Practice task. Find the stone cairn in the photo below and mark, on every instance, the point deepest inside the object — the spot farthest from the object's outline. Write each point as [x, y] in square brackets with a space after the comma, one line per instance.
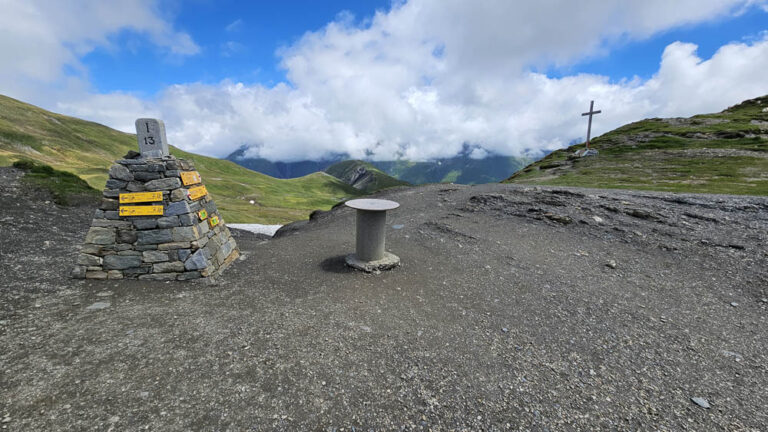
[156, 220]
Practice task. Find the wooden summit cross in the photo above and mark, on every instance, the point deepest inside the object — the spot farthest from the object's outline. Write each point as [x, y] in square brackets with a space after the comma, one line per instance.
[589, 124]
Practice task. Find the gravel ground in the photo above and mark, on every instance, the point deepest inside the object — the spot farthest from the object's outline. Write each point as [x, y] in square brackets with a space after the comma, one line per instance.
[515, 308]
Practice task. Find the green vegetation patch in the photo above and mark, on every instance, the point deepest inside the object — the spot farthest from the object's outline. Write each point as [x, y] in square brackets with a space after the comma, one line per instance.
[65, 188]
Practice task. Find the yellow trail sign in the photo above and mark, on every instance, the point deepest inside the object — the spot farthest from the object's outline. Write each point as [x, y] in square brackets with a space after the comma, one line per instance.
[213, 221]
[190, 177]
[141, 210]
[141, 197]
[197, 192]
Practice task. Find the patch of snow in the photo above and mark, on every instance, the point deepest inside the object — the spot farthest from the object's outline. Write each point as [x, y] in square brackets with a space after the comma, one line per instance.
[269, 230]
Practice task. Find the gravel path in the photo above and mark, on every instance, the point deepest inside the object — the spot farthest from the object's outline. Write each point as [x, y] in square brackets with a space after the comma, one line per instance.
[515, 308]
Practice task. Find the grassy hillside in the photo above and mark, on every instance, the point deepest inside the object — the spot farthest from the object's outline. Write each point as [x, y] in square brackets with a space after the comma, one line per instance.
[724, 152]
[87, 150]
[363, 176]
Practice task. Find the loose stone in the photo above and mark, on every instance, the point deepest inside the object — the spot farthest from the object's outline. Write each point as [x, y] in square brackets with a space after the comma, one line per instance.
[145, 224]
[120, 172]
[182, 234]
[156, 236]
[197, 261]
[119, 262]
[177, 208]
[109, 204]
[176, 266]
[88, 260]
[159, 276]
[146, 176]
[101, 236]
[98, 306]
[701, 402]
[163, 184]
[176, 245]
[179, 194]
[155, 256]
[168, 222]
[135, 186]
[116, 184]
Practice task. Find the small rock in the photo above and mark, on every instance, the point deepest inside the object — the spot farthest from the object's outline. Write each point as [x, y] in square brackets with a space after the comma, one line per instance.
[597, 219]
[104, 294]
[736, 356]
[764, 300]
[98, 306]
[504, 329]
[701, 402]
[6, 419]
[611, 263]
[734, 304]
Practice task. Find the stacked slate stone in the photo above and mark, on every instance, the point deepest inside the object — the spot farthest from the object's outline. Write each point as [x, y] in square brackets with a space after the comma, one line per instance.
[182, 243]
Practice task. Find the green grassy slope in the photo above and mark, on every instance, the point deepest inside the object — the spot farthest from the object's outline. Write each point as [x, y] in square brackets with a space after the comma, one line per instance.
[724, 152]
[347, 170]
[88, 149]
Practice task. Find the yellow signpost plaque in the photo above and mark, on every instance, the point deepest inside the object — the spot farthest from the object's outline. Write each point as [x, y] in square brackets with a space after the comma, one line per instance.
[190, 177]
[202, 214]
[197, 192]
[213, 221]
[141, 197]
[141, 210]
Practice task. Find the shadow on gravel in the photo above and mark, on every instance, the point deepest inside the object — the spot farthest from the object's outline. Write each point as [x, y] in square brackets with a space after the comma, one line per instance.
[335, 265]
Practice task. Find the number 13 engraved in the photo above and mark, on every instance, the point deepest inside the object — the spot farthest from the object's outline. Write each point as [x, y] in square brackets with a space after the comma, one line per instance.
[149, 140]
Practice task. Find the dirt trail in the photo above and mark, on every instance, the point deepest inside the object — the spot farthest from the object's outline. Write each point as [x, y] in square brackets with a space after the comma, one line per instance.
[515, 308]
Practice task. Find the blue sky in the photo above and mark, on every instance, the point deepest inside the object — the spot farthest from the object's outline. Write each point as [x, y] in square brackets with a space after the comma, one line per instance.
[418, 79]
[238, 41]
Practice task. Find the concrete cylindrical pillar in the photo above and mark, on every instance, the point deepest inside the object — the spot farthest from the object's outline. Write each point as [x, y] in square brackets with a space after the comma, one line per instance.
[370, 255]
[370, 235]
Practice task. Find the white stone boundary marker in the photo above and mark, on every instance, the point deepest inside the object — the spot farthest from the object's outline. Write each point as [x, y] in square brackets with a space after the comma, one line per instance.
[151, 136]
[369, 253]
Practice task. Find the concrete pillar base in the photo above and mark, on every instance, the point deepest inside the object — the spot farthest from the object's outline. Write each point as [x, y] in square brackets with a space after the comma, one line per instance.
[388, 262]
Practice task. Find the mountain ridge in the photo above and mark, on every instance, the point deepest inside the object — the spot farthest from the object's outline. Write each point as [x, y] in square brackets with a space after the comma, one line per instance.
[461, 168]
[363, 176]
[724, 152]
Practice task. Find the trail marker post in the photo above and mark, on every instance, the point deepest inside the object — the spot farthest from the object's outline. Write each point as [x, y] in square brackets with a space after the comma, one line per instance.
[151, 136]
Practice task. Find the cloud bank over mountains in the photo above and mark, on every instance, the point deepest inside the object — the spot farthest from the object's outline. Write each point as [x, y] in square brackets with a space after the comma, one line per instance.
[417, 81]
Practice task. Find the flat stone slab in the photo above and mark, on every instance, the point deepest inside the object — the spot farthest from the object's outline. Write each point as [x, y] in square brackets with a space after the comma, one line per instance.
[372, 204]
[388, 262]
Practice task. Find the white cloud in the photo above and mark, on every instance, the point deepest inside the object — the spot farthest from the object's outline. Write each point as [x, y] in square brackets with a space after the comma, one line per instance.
[234, 25]
[428, 76]
[41, 39]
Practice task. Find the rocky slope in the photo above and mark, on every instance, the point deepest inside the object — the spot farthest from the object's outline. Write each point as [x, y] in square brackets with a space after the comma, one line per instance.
[515, 308]
[724, 152]
[363, 176]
